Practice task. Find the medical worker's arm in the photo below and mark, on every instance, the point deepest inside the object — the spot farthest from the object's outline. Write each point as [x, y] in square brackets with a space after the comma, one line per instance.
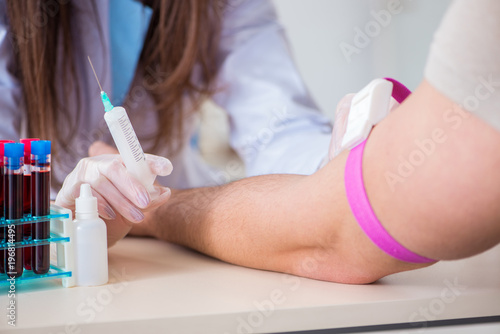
[275, 125]
[443, 207]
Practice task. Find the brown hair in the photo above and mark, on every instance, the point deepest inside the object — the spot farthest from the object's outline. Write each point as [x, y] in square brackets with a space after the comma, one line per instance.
[182, 34]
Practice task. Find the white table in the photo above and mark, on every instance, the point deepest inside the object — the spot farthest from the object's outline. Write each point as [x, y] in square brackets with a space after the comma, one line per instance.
[157, 287]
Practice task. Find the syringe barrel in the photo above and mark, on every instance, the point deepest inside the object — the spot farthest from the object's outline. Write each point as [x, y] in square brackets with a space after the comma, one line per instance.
[129, 147]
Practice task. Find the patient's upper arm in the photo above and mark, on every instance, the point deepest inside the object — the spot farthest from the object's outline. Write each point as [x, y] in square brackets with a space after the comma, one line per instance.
[432, 174]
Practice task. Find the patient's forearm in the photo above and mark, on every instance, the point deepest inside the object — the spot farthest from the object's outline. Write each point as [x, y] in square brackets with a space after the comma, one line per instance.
[260, 222]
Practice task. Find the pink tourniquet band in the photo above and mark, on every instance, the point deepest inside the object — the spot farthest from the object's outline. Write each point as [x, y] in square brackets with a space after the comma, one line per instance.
[360, 205]
[399, 91]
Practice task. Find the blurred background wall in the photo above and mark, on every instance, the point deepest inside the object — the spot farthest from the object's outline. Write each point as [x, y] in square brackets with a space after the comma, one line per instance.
[319, 30]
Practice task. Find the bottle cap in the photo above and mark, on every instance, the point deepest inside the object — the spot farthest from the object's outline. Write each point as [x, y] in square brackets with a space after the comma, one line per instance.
[41, 147]
[86, 203]
[40, 150]
[13, 150]
[2, 142]
[27, 148]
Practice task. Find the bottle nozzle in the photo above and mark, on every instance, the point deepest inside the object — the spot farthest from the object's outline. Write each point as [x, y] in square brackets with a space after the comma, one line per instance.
[86, 203]
[85, 190]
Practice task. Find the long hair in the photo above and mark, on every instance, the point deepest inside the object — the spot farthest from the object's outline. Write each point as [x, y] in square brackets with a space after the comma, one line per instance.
[182, 35]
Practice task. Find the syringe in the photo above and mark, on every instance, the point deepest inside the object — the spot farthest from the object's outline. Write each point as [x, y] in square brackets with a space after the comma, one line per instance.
[126, 141]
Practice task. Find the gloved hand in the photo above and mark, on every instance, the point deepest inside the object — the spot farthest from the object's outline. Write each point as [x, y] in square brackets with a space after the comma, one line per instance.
[340, 123]
[121, 198]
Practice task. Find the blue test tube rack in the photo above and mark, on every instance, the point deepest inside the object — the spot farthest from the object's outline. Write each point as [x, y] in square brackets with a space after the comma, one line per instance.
[62, 259]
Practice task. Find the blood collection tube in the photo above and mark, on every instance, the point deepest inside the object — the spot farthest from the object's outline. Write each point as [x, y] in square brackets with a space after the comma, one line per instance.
[2, 229]
[13, 205]
[27, 197]
[40, 203]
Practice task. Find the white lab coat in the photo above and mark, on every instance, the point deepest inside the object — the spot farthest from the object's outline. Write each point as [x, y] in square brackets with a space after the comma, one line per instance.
[275, 126]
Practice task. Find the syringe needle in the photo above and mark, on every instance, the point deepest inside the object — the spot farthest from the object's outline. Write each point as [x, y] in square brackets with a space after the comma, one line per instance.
[93, 70]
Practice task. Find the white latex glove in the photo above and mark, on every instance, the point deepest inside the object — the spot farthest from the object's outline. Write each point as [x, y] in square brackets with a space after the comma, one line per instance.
[121, 198]
[341, 121]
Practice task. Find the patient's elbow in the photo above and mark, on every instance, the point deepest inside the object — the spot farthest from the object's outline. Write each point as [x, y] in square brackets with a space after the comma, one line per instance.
[324, 267]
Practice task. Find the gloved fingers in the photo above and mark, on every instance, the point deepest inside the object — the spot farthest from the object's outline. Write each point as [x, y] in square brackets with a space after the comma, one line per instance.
[66, 198]
[110, 165]
[159, 165]
[393, 104]
[163, 197]
[103, 207]
[340, 124]
[115, 172]
[120, 204]
[70, 189]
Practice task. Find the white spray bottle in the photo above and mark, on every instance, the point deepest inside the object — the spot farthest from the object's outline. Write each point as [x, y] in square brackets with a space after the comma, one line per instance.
[91, 247]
